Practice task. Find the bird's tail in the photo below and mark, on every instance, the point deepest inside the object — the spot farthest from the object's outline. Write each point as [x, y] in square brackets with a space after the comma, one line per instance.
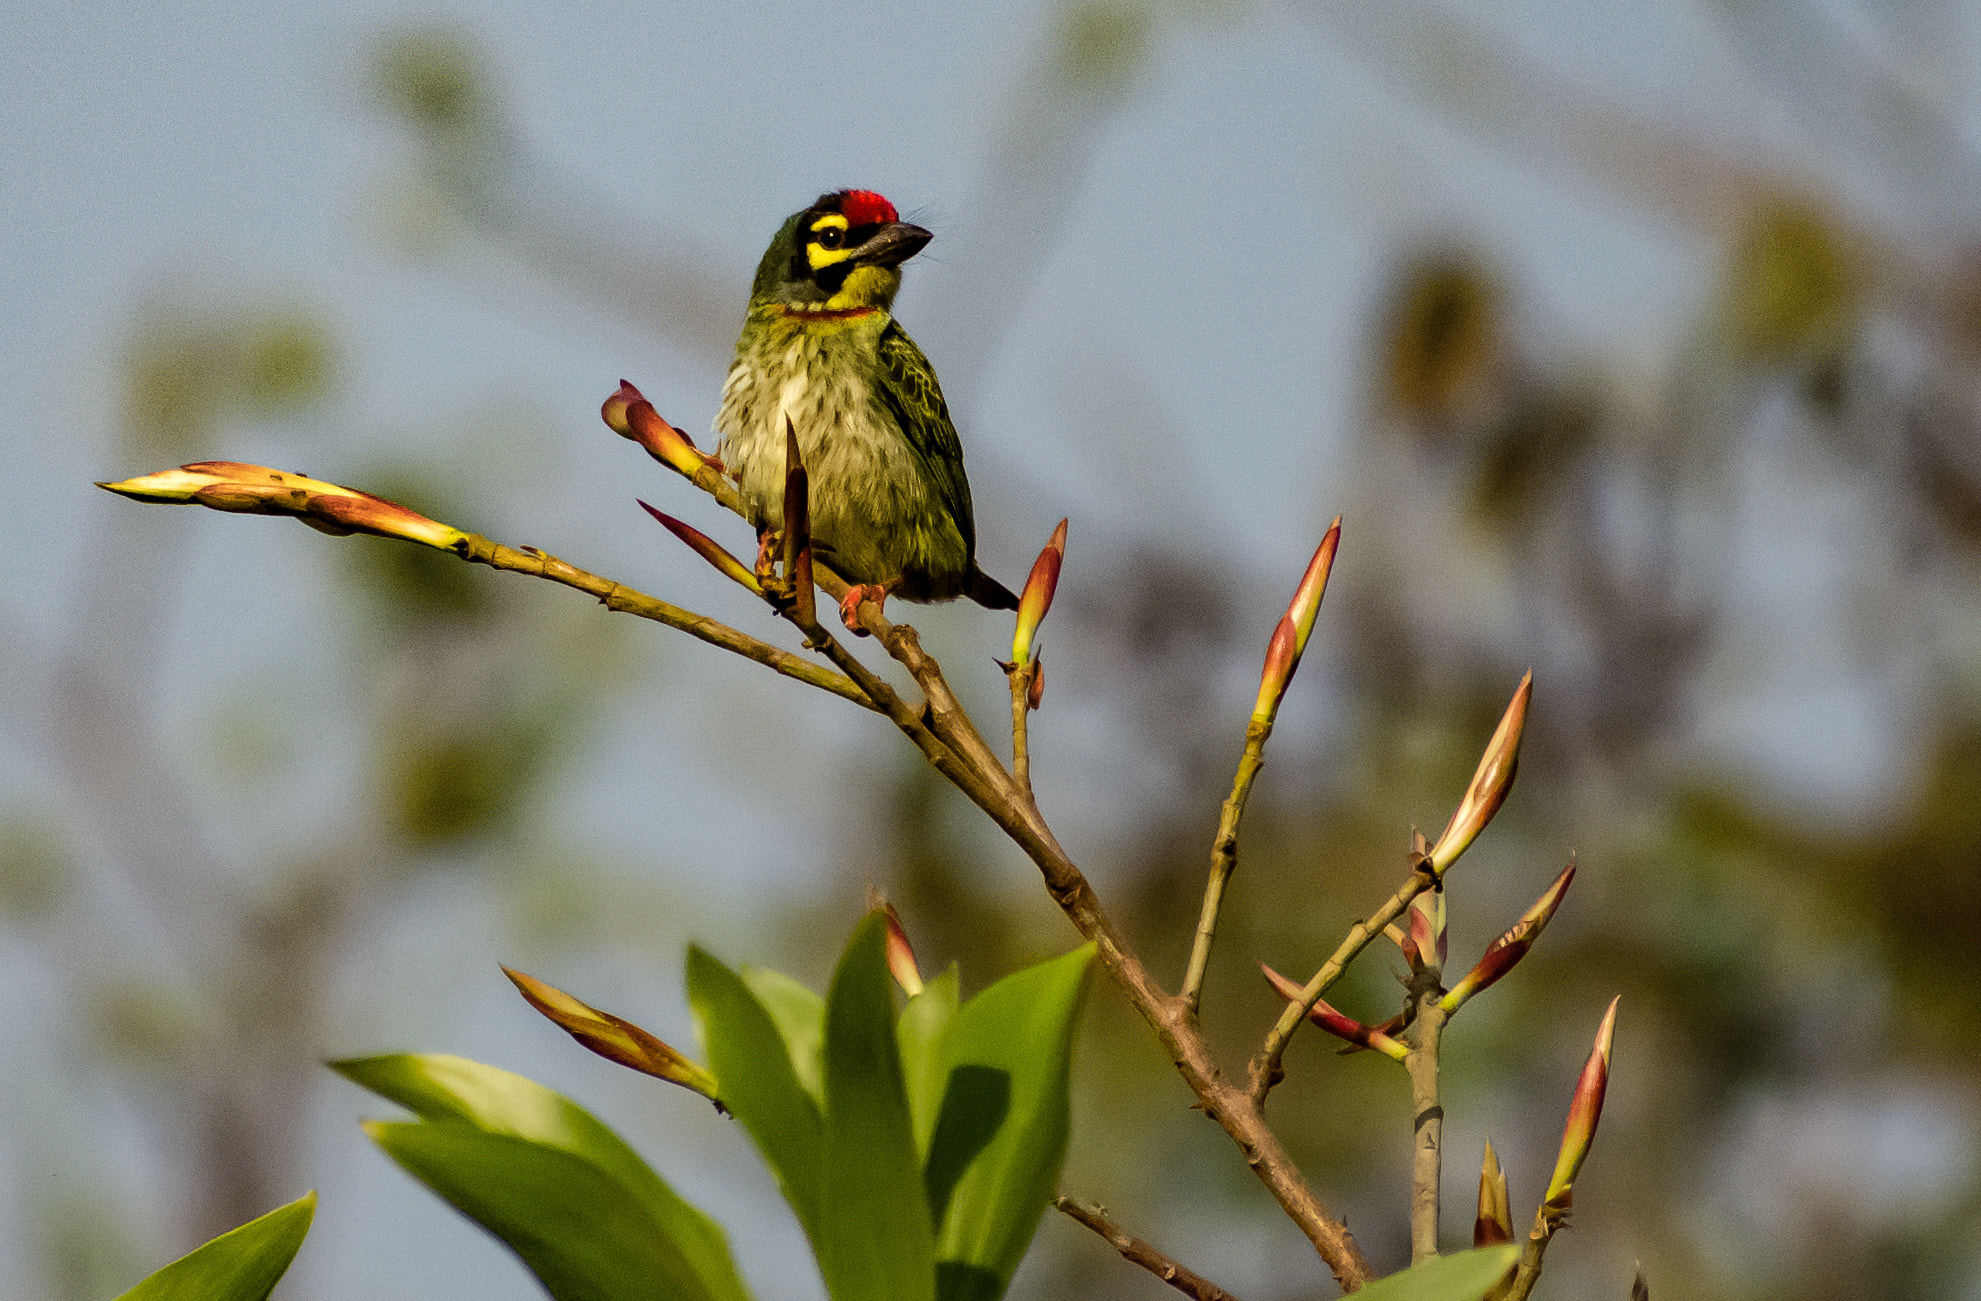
[988, 592]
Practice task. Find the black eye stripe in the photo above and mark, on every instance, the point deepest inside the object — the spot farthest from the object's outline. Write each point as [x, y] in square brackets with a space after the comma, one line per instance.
[837, 237]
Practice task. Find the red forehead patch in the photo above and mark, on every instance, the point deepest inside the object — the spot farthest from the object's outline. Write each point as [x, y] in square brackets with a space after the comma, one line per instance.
[864, 207]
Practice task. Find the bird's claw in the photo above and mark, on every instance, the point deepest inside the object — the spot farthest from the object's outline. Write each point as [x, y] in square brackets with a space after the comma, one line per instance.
[849, 605]
[778, 589]
[770, 545]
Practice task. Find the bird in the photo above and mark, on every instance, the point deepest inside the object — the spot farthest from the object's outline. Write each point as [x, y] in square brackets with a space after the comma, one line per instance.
[821, 352]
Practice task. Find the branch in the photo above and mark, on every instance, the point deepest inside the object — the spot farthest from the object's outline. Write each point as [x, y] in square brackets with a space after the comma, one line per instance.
[1427, 1115]
[330, 508]
[1283, 652]
[1224, 857]
[1026, 673]
[1265, 1070]
[1141, 1253]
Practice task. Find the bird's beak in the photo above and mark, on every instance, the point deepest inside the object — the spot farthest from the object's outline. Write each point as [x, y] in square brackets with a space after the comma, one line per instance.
[892, 245]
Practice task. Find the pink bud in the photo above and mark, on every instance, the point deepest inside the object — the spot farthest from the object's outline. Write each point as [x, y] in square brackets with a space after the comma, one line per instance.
[1490, 783]
[1504, 953]
[612, 1037]
[1306, 601]
[1289, 639]
[708, 549]
[1585, 1110]
[901, 954]
[1036, 599]
[630, 415]
[1336, 1023]
[258, 490]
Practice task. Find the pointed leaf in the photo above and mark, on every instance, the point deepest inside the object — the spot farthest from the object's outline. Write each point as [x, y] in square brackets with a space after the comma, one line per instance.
[445, 1090]
[1461, 1276]
[799, 1014]
[242, 1264]
[575, 1226]
[920, 1031]
[876, 1242]
[994, 1159]
[760, 1086]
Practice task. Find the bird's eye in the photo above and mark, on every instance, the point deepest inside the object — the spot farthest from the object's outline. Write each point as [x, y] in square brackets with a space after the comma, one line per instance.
[830, 237]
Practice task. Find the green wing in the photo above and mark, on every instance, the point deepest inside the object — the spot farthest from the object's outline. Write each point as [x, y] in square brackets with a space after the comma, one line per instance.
[909, 389]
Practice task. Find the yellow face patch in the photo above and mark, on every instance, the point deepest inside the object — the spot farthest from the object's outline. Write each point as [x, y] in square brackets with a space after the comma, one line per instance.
[863, 286]
[825, 244]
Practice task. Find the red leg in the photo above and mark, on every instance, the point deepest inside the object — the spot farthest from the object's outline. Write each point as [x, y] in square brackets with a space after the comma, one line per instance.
[849, 605]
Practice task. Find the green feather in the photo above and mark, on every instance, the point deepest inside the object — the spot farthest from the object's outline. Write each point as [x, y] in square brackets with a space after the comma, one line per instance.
[890, 503]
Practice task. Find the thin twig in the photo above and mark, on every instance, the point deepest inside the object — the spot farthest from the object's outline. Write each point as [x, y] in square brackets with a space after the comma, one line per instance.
[1528, 1272]
[947, 717]
[626, 600]
[1141, 1253]
[1021, 708]
[1224, 857]
[889, 702]
[1426, 1112]
[1265, 1070]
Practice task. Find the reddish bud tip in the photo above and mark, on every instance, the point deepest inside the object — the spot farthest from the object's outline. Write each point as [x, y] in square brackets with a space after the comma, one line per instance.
[614, 409]
[901, 954]
[1036, 599]
[1490, 782]
[1336, 1023]
[630, 415]
[1306, 602]
[1585, 1111]
[258, 490]
[707, 548]
[1289, 639]
[613, 1038]
[1504, 953]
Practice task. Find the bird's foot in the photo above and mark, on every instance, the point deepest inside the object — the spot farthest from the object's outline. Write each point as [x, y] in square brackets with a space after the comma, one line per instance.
[849, 605]
[770, 545]
[776, 586]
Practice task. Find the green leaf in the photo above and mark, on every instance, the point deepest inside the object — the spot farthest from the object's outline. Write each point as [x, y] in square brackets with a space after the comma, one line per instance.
[800, 1017]
[241, 1264]
[920, 1031]
[1463, 1276]
[570, 1222]
[995, 1154]
[453, 1091]
[876, 1243]
[759, 1083]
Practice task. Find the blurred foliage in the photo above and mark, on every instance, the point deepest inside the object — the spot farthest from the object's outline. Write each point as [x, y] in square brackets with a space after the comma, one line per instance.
[433, 77]
[1793, 284]
[36, 869]
[188, 371]
[1103, 42]
[1442, 331]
